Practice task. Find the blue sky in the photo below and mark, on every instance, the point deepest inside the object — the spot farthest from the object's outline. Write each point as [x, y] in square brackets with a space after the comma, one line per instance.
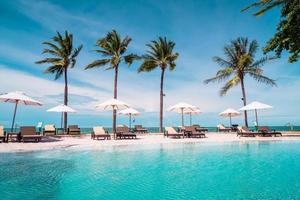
[199, 28]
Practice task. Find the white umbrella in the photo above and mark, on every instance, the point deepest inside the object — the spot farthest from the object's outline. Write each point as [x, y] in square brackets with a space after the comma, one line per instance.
[255, 105]
[62, 108]
[130, 112]
[196, 112]
[18, 98]
[230, 112]
[182, 108]
[113, 104]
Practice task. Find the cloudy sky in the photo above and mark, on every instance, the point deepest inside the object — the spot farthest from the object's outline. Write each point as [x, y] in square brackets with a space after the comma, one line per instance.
[199, 28]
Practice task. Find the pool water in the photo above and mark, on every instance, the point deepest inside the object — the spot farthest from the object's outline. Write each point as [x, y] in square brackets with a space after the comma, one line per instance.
[257, 170]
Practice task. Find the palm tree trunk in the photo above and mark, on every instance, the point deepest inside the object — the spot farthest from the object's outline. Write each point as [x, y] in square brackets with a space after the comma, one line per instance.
[66, 99]
[244, 102]
[161, 100]
[115, 96]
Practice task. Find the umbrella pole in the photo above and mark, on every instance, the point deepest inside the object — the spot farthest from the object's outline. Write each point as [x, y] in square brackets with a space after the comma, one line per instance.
[14, 117]
[256, 118]
[230, 120]
[61, 119]
[129, 121]
[182, 120]
[114, 125]
[190, 119]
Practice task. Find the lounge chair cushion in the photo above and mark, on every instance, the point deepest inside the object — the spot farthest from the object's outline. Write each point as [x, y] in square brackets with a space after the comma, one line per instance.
[171, 130]
[1, 131]
[99, 130]
[49, 127]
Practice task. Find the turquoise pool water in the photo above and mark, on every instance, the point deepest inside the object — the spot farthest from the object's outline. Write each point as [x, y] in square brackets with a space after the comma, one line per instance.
[260, 170]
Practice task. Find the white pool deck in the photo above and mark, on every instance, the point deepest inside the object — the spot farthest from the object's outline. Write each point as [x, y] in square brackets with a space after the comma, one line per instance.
[84, 142]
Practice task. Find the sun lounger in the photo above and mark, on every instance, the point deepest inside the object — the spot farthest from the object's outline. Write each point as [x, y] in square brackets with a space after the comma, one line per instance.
[266, 131]
[73, 130]
[140, 129]
[123, 132]
[171, 132]
[28, 133]
[222, 128]
[2, 134]
[49, 129]
[192, 132]
[245, 132]
[200, 129]
[99, 132]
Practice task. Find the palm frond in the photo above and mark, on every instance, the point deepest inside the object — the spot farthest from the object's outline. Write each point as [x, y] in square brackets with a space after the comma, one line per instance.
[160, 53]
[129, 59]
[98, 63]
[112, 48]
[239, 61]
[230, 84]
[262, 79]
[222, 62]
[65, 57]
[147, 66]
[49, 60]
[264, 6]
[221, 75]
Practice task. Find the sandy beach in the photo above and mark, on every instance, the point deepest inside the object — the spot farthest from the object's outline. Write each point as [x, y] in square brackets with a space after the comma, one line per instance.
[84, 142]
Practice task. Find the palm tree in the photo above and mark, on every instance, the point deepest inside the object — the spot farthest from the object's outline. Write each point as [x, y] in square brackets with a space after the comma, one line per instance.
[160, 54]
[239, 63]
[63, 57]
[265, 5]
[112, 48]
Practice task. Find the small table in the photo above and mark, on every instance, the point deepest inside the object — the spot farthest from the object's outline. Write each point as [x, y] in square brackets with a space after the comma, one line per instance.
[12, 136]
[60, 130]
[234, 127]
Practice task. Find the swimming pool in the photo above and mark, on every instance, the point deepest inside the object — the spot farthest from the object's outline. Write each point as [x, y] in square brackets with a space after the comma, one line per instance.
[256, 170]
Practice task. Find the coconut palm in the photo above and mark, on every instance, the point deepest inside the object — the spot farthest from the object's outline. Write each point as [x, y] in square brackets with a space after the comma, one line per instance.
[238, 64]
[160, 54]
[63, 57]
[112, 48]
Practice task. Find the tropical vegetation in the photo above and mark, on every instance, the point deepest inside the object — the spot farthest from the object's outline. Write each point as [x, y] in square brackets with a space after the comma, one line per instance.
[287, 35]
[112, 49]
[160, 54]
[62, 56]
[239, 62]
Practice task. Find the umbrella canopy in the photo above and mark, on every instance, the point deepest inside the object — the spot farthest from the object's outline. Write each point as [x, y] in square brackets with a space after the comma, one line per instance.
[182, 108]
[18, 97]
[230, 112]
[62, 108]
[195, 112]
[130, 112]
[255, 105]
[113, 104]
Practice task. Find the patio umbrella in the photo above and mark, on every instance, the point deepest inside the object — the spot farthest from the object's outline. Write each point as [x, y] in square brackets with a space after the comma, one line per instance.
[113, 104]
[130, 112]
[63, 109]
[255, 105]
[229, 113]
[190, 113]
[18, 98]
[182, 108]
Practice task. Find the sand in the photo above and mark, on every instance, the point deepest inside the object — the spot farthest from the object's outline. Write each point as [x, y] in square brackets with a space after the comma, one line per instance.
[84, 142]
